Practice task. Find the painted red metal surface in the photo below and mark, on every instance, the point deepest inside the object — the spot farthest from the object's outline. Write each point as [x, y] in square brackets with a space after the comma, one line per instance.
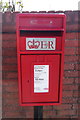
[40, 26]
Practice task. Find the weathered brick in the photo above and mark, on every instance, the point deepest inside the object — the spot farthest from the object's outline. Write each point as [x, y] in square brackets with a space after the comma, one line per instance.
[77, 52]
[72, 16]
[71, 43]
[8, 22]
[77, 67]
[72, 36]
[70, 66]
[49, 114]
[9, 37]
[69, 51]
[77, 80]
[67, 112]
[63, 107]
[71, 58]
[9, 52]
[70, 87]
[11, 114]
[69, 100]
[71, 73]
[47, 107]
[9, 44]
[10, 75]
[29, 115]
[9, 82]
[72, 27]
[11, 89]
[67, 93]
[68, 80]
[75, 94]
[12, 67]
[9, 60]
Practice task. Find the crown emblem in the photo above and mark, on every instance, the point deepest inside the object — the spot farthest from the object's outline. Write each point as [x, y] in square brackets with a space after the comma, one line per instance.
[33, 44]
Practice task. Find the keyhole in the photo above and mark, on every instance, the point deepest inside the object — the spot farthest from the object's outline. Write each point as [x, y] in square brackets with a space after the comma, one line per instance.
[28, 81]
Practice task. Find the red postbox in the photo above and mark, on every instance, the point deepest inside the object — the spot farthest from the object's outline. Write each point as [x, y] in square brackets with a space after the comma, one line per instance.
[40, 51]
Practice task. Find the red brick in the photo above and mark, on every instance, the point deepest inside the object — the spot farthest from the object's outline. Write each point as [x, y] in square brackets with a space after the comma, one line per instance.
[75, 106]
[47, 108]
[67, 93]
[0, 40]
[9, 60]
[1, 17]
[63, 107]
[11, 89]
[1, 79]
[71, 58]
[68, 80]
[1, 53]
[77, 52]
[8, 22]
[9, 37]
[0, 71]
[77, 80]
[76, 16]
[70, 87]
[71, 43]
[71, 73]
[0, 67]
[68, 16]
[8, 17]
[79, 33]
[9, 108]
[71, 36]
[75, 93]
[49, 114]
[67, 112]
[70, 100]
[9, 83]
[72, 27]
[0, 28]
[17, 108]
[75, 117]
[28, 108]
[9, 52]
[9, 75]
[69, 51]
[29, 115]
[77, 67]
[11, 101]
[11, 114]
[9, 67]
[9, 28]
[0, 82]
[9, 44]
[70, 66]
[72, 16]
[10, 96]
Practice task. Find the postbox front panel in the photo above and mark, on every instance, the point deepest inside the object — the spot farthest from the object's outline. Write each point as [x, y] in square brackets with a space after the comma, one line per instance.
[42, 40]
[40, 78]
[40, 50]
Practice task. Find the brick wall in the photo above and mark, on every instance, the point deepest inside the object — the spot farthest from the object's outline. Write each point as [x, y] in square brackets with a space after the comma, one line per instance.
[69, 106]
[0, 65]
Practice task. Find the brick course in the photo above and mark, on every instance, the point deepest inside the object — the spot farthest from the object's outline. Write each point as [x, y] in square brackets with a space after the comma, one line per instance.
[69, 106]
